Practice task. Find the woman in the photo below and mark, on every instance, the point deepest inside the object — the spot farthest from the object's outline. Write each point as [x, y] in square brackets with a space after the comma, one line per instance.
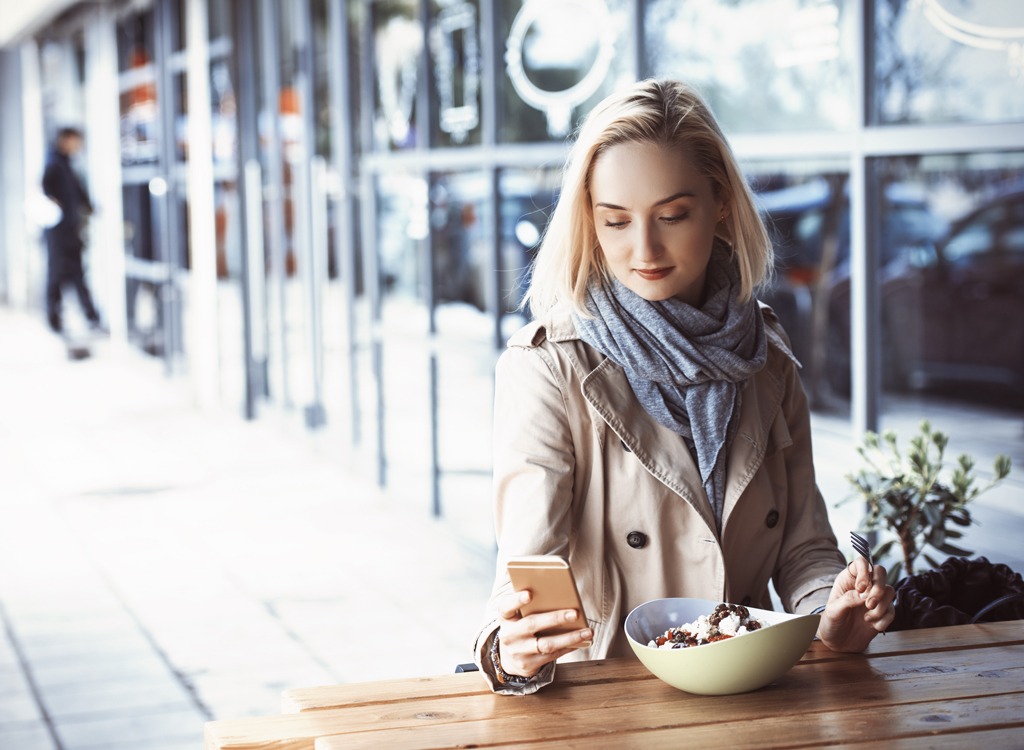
[650, 424]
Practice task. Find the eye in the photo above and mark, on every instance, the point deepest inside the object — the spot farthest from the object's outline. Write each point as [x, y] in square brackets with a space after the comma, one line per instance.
[674, 219]
[615, 224]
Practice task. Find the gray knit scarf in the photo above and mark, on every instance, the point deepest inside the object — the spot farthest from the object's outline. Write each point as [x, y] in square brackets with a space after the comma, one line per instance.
[684, 364]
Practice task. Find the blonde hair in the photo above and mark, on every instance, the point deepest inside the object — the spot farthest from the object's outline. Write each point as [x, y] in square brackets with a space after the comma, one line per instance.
[665, 113]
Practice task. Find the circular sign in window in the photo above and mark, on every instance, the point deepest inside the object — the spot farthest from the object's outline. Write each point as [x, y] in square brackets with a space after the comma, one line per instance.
[541, 15]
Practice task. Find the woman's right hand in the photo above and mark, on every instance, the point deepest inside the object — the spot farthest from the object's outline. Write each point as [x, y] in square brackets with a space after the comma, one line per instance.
[520, 650]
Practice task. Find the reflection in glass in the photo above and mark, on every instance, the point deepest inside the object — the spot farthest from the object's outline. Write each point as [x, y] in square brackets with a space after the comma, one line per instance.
[561, 57]
[397, 45]
[137, 84]
[144, 279]
[953, 305]
[455, 55]
[528, 197]
[945, 62]
[806, 209]
[402, 231]
[459, 244]
[402, 226]
[763, 65]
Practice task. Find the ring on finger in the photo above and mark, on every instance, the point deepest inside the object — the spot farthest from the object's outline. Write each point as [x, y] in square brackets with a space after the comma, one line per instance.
[536, 644]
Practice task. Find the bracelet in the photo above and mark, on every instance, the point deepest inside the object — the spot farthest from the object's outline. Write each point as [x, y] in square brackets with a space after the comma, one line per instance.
[817, 610]
[504, 677]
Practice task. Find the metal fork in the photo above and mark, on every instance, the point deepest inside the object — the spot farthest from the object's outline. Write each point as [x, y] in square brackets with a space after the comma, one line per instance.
[860, 546]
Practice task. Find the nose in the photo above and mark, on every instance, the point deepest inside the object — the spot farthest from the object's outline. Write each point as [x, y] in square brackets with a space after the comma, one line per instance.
[647, 244]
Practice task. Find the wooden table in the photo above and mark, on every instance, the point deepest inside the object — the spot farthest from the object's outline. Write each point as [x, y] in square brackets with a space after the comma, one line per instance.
[959, 687]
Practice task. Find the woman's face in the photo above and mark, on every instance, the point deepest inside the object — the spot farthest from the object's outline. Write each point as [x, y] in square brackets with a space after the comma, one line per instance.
[655, 219]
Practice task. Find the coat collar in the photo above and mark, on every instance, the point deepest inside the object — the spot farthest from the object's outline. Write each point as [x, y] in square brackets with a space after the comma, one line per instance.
[663, 452]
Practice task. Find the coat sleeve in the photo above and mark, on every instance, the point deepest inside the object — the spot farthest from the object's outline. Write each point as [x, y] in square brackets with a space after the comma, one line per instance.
[533, 475]
[52, 183]
[810, 558]
[534, 460]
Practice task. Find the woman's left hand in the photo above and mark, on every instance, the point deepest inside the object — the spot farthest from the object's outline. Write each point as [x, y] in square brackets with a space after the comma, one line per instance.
[859, 608]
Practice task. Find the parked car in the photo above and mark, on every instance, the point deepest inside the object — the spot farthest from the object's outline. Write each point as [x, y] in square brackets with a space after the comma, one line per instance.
[952, 313]
[811, 289]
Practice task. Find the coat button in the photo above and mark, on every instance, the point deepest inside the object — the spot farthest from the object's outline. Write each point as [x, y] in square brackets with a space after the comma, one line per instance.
[771, 519]
[636, 539]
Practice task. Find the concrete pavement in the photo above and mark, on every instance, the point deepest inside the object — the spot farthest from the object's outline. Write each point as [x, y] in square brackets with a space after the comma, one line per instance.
[161, 566]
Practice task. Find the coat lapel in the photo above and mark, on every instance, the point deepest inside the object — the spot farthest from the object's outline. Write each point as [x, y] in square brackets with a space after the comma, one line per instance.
[662, 452]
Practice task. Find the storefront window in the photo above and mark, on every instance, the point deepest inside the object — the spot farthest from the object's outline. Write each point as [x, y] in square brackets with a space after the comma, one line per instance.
[218, 19]
[397, 46]
[139, 112]
[459, 239]
[946, 62]
[402, 230]
[528, 198]
[806, 208]
[764, 65]
[952, 300]
[560, 58]
[455, 53]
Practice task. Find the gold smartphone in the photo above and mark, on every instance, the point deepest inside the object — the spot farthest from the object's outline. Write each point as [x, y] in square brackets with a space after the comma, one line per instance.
[550, 581]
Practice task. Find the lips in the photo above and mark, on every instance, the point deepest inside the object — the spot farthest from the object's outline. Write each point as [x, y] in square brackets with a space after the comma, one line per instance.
[652, 274]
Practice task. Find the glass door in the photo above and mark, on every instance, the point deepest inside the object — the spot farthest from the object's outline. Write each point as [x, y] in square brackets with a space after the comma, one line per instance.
[299, 208]
[148, 190]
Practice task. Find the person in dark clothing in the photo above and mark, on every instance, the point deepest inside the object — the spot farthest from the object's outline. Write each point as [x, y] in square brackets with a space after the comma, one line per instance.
[64, 240]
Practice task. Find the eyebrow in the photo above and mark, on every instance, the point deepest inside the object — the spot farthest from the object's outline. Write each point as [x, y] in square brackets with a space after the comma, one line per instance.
[662, 202]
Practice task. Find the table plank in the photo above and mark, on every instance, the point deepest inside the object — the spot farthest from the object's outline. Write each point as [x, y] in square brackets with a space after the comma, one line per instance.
[980, 635]
[1010, 738]
[984, 635]
[852, 724]
[388, 691]
[565, 708]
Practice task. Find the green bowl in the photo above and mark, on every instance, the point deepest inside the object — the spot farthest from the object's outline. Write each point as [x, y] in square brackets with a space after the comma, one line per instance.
[735, 665]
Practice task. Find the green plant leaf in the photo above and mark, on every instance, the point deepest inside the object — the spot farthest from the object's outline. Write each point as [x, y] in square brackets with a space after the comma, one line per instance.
[960, 516]
[1002, 467]
[950, 549]
[883, 549]
[911, 499]
[893, 576]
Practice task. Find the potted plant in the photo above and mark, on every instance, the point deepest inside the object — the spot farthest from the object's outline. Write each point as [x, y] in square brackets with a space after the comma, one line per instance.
[907, 496]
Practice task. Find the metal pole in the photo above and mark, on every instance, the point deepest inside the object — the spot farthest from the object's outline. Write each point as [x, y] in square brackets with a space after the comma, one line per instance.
[277, 240]
[423, 127]
[165, 225]
[255, 285]
[489, 54]
[343, 148]
[307, 201]
[368, 212]
[316, 278]
[250, 189]
[864, 296]
[203, 287]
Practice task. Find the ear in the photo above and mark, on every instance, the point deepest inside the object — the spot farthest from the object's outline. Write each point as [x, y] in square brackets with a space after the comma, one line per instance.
[724, 209]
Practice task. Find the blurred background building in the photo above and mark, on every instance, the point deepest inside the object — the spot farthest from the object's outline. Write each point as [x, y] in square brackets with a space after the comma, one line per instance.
[325, 209]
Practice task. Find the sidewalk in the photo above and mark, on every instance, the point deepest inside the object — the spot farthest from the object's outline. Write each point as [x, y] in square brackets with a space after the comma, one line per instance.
[160, 567]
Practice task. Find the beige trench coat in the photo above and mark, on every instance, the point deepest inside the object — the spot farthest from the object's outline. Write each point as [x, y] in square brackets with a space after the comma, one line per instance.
[581, 470]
